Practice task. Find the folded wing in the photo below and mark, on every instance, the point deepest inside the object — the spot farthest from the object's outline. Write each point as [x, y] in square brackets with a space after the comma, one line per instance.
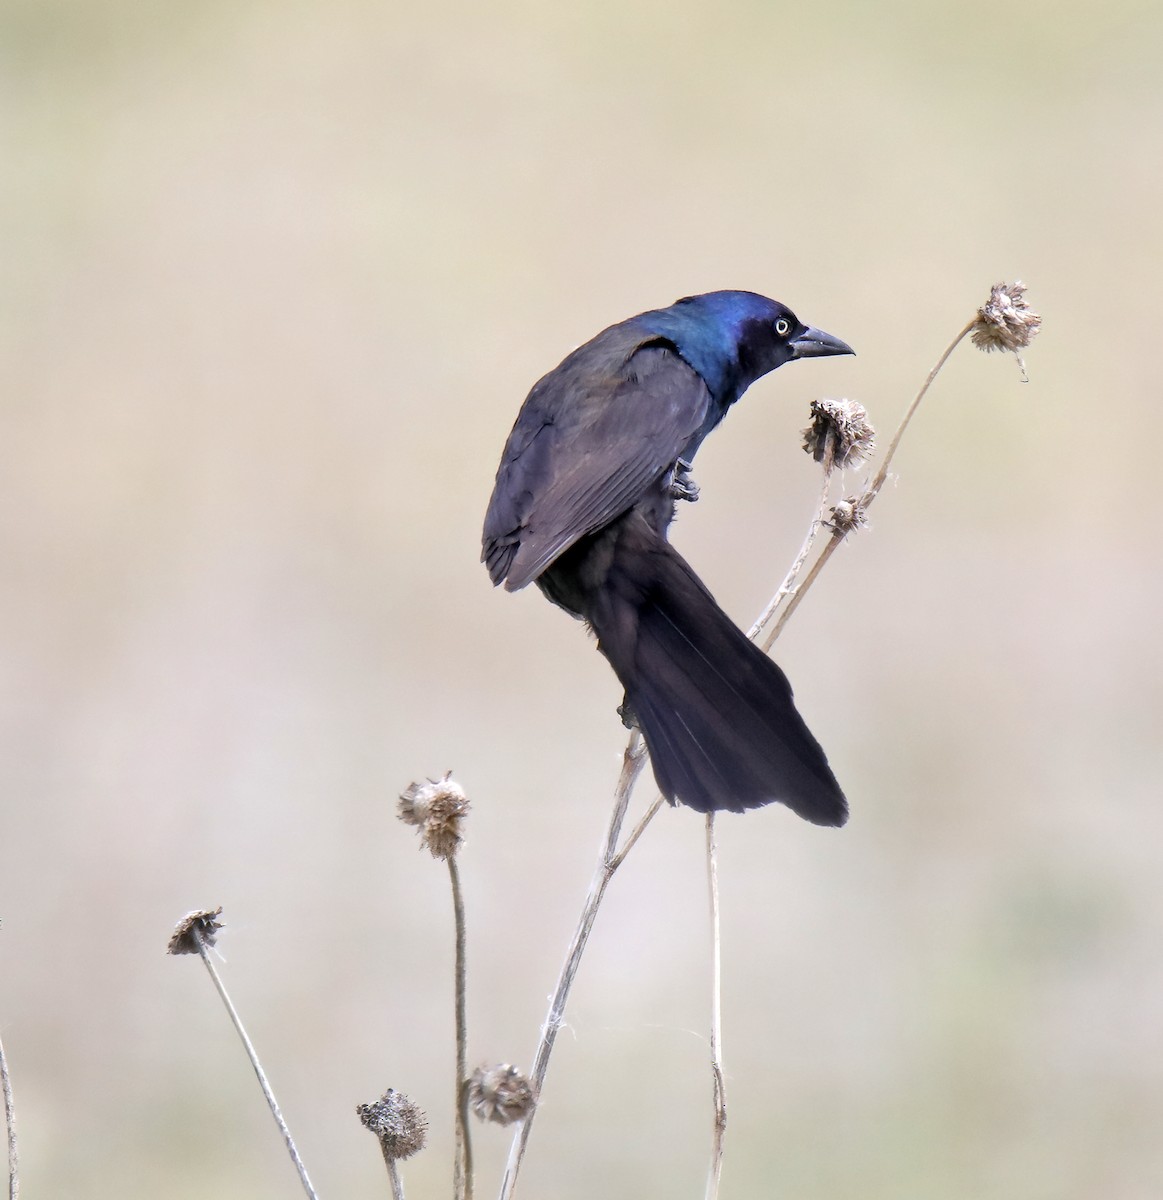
[592, 437]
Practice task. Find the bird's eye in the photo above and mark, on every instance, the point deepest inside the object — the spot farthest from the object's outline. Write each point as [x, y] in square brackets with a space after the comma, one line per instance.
[783, 327]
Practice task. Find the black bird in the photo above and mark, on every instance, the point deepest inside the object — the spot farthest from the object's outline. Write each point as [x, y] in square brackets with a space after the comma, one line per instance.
[585, 492]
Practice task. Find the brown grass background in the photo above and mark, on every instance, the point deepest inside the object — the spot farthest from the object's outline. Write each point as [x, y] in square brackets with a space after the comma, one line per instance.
[276, 277]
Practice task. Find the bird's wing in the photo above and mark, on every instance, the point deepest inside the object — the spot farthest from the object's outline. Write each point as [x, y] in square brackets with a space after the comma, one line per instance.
[592, 437]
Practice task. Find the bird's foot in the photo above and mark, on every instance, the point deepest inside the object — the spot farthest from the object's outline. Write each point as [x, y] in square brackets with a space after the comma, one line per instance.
[682, 486]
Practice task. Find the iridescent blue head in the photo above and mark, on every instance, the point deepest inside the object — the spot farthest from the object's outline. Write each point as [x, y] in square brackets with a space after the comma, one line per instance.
[734, 338]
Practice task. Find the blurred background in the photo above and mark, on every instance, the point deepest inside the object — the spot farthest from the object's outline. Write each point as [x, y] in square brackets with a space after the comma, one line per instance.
[276, 278]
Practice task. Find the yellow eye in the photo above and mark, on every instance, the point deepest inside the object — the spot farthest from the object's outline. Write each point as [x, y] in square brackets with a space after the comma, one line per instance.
[783, 327]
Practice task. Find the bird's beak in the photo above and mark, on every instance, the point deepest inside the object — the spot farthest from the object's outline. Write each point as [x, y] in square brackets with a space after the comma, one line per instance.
[815, 343]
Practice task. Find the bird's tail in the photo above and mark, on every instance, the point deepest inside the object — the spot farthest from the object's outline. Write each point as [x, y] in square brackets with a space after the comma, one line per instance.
[717, 714]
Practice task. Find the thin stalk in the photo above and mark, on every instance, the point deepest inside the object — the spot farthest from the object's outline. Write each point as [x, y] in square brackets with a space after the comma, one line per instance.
[870, 493]
[632, 763]
[882, 474]
[394, 1178]
[254, 1062]
[612, 857]
[633, 760]
[10, 1122]
[795, 597]
[462, 1164]
[786, 588]
[719, 1089]
[636, 833]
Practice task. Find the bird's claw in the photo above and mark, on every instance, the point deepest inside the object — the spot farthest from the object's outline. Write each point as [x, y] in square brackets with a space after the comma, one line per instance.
[682, 486]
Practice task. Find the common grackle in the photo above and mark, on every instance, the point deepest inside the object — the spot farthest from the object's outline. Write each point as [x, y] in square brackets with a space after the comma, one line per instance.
[585, 492]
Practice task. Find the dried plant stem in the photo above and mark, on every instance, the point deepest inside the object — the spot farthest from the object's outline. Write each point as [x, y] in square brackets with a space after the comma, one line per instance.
[882, 474]
[612, 858]
[632, 762]
[254, 1062]
[786, 588]
[870, 493]
[637, 832]
[462, 1165]
[394, 1178]
[795, 597]
[719, 1090]
[10, 1122]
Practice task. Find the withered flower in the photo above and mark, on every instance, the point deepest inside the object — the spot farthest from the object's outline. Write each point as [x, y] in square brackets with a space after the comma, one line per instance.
[844, 425]
[400, 1125]
[206, 924]
[849, 515]
[437, 808]
[1006, 321]
[500, 1094]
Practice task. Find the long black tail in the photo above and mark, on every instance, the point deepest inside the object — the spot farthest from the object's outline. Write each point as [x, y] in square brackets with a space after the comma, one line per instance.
[717, 713]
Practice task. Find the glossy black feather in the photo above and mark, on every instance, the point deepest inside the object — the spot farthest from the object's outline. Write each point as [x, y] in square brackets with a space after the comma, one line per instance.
[591, 438]
[582, 504]
[716, 712]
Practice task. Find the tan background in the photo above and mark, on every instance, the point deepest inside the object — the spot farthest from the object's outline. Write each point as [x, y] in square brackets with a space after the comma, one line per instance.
[276, 277]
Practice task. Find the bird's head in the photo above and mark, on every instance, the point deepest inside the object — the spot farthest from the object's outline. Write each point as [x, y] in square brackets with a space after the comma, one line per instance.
[734, 338]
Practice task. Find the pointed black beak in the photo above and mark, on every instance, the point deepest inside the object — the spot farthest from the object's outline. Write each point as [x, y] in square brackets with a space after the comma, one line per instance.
[815, 343]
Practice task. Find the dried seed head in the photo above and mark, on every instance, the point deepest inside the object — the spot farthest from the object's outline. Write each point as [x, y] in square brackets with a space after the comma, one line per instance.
[500, 1094]
[849, 515]
[1005, 321]
[401, 1126]
[437, 808]
[202, 924]
[842, 426]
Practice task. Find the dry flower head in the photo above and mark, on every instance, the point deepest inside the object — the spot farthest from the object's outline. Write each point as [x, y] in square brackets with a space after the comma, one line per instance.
[849, 515]
[437, 808]
[1006, 321]
[400, 1125]
[500, 1094]
[200, 925]
[843, 426]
